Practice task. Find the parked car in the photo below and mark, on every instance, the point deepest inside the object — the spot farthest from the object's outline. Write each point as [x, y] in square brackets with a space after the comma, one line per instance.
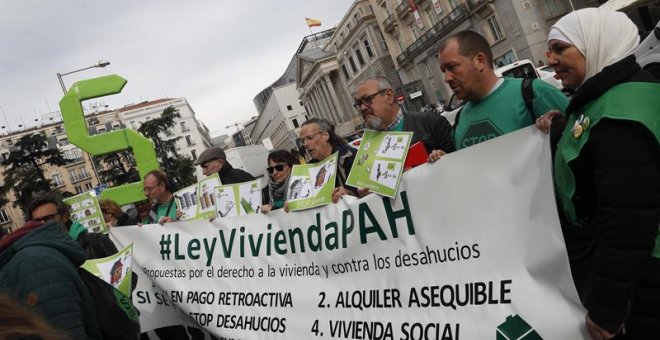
[354, 138]
[549, 76]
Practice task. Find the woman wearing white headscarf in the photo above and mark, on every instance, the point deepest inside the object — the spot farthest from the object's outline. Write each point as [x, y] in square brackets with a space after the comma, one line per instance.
[607, 172]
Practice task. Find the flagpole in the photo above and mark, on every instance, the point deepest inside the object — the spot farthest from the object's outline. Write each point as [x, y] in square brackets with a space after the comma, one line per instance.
[311, 33]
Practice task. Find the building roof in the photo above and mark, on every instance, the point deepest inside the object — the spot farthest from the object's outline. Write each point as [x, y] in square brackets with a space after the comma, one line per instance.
[143, 104]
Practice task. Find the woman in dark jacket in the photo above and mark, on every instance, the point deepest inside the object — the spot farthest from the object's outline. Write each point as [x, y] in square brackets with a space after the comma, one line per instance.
[279, 172]
[607, 172]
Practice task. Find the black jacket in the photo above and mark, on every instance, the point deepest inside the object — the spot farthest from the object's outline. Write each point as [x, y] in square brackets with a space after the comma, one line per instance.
[432, 129]
[617, 201]
[229, 175]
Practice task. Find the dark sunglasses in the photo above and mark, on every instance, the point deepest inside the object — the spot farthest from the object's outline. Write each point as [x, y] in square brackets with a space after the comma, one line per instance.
[366, 100]
[278, 167]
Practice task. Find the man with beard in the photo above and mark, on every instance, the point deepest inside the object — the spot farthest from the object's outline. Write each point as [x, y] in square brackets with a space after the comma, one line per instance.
[374, 98]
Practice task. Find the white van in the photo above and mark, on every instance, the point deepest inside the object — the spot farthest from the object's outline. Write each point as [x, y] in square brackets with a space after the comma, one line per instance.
[526, 69]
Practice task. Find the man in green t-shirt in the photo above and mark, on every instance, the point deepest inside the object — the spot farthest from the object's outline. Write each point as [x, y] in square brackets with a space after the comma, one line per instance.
[493, 106]
[157, 189]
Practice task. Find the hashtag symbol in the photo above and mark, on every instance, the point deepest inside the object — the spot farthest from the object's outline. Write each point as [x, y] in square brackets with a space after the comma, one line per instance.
[165, 242]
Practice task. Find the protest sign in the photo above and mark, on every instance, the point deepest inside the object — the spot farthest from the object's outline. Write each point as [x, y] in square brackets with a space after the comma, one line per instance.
[85, 209]
[115, 269]
[379, 161]
[238, 199]
[311, 185]
[206, 197]
[458, 253]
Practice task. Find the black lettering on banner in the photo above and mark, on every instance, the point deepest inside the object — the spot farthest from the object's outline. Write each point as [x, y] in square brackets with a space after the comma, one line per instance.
[321, 304]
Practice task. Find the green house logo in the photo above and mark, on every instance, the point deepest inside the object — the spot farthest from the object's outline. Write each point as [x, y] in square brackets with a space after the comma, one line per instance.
[515, 328]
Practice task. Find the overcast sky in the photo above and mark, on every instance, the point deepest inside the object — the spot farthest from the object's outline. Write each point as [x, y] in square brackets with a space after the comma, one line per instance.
[218, 54]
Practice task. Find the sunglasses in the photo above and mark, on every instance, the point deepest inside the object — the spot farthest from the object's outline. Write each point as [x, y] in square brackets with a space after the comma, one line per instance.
[278, 167]
[366, 100]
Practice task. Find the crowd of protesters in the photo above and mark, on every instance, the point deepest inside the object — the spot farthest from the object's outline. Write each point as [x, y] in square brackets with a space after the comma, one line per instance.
[606, 172]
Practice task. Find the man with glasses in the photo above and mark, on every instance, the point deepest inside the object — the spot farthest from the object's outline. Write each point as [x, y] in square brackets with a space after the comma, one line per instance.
[214, 160]
[320, 141]
[157, 189]
[374, 98]
[38, 266]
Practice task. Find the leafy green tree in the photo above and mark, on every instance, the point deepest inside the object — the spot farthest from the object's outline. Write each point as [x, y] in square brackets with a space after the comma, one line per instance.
[178, 168]
[119, 168]
[23, 169]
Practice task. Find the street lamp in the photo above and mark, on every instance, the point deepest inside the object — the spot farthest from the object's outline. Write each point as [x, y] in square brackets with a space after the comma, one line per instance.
[101, 63]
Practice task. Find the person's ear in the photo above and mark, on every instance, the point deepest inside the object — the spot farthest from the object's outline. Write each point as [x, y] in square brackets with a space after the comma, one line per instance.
[480, 61]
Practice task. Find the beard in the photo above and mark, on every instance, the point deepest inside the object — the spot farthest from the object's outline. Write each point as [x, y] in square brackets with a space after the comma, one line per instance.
[373, 122]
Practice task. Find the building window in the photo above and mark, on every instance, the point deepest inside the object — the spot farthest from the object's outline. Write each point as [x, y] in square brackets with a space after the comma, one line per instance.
[73, 175]
[57, 180]
[495, 29]
[88, 186]
[295, 123]
[367, 47]
[84, 173]
[358, 53]
[453, 4]
[189, 141]
[184, 127]
[193, 153]
[346, 75]
[3, 217]
[289, 108]
[148, 119]
[506, 59]
[79, 189]
[352, 62]
[552, 8]
[64, 141]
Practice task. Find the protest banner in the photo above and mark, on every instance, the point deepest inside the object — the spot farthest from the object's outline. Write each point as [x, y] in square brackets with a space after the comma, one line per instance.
[379, 161]
[470, 248]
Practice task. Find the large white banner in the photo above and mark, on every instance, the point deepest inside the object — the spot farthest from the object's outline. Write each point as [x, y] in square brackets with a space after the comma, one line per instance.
[470, 248]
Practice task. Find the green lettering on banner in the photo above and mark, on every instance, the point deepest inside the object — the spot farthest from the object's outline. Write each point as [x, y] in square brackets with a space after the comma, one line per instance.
[393, 215]
[365, 212]
[76, 131]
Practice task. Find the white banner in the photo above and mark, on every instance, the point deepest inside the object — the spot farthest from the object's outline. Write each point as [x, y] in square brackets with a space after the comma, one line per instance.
[471, 248]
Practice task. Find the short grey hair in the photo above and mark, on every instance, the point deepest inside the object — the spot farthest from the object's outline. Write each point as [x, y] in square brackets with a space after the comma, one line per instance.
[382, 82]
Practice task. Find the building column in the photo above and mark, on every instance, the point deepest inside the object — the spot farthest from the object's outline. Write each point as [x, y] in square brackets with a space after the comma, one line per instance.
[313, 104]
[344, 116]
[325, 110]
[326, 101]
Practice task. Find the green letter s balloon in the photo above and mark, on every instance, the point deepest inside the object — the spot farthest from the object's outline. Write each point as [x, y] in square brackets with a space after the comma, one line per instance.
[76, 130]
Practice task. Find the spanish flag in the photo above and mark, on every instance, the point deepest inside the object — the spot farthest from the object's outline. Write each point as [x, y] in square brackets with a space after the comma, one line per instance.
[313, 22]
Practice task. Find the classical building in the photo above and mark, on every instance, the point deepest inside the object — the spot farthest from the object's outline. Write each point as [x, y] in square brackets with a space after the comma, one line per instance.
[412, 29]
[332, 63]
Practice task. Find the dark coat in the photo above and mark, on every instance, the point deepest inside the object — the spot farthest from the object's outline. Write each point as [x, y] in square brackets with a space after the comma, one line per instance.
[617, 201]
[39, 268]
[432, 129]
[229, 175]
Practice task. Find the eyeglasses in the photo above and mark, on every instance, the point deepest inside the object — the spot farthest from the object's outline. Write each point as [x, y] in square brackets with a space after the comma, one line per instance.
[148, 189]
[278, 167]
[46, 218]
[302, 140]
[366, 100]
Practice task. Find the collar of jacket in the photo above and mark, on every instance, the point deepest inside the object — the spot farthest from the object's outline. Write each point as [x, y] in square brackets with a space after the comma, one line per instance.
[226, 168]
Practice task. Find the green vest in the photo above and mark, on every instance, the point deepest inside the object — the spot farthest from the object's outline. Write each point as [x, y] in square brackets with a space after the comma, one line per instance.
[638, 102]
